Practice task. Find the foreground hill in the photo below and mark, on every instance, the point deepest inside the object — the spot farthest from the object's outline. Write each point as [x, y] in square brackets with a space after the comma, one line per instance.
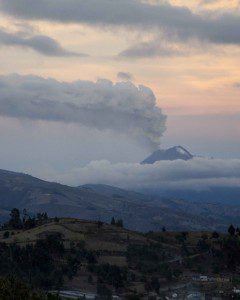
[99, 202]
[86, 251]
[109, 240]
[86, 258]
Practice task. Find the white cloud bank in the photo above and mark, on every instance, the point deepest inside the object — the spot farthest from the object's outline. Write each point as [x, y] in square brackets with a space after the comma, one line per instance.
[195, 174]
[122, 107]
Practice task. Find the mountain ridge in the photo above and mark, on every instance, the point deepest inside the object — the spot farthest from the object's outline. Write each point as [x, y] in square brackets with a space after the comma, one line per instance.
[100, 202]
[173, 153]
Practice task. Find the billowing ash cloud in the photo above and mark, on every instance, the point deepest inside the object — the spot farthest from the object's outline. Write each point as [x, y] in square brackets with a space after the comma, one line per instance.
[125, 76]
[40, 43]
[121, 107]
[175, 21]
[196, 174]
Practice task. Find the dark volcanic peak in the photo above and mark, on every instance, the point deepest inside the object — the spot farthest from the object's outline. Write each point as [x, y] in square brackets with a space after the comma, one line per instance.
[174, 153]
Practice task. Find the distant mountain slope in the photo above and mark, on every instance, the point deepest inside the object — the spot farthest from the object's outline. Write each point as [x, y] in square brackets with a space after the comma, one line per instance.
[24, 191]
[93, 202]
[174, 153]
[222, 195]
[118, 193]
[179, 213]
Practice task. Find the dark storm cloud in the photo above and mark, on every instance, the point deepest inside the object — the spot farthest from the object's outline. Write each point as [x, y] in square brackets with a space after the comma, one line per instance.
[39, 43]
[174, 21]
[151, 49]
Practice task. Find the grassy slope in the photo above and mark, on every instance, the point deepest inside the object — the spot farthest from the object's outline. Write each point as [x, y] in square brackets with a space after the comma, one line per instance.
[111, 242]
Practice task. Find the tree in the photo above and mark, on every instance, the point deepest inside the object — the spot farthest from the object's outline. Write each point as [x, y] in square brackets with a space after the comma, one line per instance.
[51, 297]
[155, 284]
[90, 279]
[231, 230]
[42, 216]
[164, 229]
[25, 215]
[29, 223]
[202, 245]
[6, 235]
[15, 220]
[112, 275]
[39, 216]
[185, 235]
[215, 235]
[103, 292]
[204, 236]
[113, 222]
[148, 286]
[45, 216]
[177, 273]
[12, 288]
[99, 224]
[119, 223]
[133, 297]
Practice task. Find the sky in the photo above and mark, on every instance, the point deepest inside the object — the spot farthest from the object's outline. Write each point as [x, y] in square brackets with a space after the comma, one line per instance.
[111, 81]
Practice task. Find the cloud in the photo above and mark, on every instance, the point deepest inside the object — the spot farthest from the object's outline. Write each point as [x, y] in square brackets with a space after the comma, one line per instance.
[176, 22]
[151, 49]
[121, 107]
[126, 76]
[236, 85]
[39, 43]
[196, 174]
[206, 2]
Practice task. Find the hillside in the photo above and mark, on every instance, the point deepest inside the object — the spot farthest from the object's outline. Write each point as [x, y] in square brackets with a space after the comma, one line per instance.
[93, 246]
[20, 190]
[109, 241]
[93, 257]
[99, 202]
[178, 214]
